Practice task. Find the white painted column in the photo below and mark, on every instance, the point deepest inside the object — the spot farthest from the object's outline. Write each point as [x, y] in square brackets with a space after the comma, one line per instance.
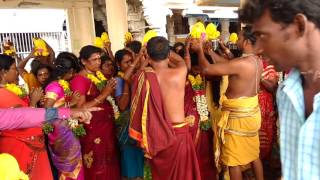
[117, 22]
[155, 14]
[81, 27]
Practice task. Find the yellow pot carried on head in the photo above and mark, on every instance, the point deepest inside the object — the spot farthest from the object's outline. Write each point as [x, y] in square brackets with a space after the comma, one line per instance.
[40, 47]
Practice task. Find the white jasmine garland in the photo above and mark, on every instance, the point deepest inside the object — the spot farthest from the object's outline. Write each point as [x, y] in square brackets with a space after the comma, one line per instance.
[72, 123]
[115, 108]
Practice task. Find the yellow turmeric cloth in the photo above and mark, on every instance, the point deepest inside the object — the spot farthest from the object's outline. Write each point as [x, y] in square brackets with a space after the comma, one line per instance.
[30, 80]
[215, 109]
[237, 140]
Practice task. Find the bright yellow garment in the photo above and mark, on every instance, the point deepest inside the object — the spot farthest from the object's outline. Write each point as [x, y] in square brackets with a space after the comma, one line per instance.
[9, 168]
[31, 80]
[237, 140]
[215, 109]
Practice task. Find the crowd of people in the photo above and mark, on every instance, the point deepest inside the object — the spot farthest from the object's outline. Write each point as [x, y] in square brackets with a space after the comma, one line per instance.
[193, 111]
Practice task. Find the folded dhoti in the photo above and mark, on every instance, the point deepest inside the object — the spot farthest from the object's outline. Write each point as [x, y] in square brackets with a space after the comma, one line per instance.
[237, 136]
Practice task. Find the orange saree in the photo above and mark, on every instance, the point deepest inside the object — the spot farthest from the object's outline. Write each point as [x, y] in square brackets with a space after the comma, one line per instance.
[26, 145]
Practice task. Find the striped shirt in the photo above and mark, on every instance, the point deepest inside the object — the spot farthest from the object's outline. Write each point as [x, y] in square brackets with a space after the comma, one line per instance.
[299, 137]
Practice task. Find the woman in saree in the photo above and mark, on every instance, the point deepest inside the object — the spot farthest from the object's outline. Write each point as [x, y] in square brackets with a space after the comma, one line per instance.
[268, 86]
[26, 145]
[99, 145]
[64, 147]
[132, 157]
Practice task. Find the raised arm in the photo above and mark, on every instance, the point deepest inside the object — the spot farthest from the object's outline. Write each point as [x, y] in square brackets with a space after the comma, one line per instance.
[176, 60]
[226, 50]
[208, 49]
[107, 49]
[51, 56]
[218, 69]
[187, 56]
[23, 63]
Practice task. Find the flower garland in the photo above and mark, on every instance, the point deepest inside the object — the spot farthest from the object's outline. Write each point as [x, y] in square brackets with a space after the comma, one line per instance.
[65, 85]
[17, 90]
[201, 101]
[77, 129]
[100, 81]
[121, 74]
[114, 107]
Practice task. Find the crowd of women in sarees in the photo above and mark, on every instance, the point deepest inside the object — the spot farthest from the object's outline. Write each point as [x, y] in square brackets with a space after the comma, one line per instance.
[103, 149]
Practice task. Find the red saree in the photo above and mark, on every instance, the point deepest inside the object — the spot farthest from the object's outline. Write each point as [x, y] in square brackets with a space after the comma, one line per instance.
[99, 145]
[203, 140]
[267, 131]
[26, 145]
[169, 147]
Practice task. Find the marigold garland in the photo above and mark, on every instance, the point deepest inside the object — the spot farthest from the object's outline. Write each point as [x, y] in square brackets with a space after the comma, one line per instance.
[100, 81]
[77, 129]
[18, 90]
[201, 101]
[66, 86]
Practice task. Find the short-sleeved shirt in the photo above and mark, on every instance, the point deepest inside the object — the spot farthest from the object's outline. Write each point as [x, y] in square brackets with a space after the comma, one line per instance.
[299, 137]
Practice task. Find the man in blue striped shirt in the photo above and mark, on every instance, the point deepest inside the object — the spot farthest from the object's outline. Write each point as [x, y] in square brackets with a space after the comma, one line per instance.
[288, 32]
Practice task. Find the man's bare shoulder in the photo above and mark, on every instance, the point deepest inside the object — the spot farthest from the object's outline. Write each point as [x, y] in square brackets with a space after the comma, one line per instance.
[178, 71]
[248, 61]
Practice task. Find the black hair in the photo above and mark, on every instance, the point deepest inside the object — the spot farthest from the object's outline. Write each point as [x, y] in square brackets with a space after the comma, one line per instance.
[177, 44]
[63, 66]
[281, 11]
[181, 52]
[248, 34]
[87, 51]
[105, 58]
[71, 56]
[158, 48]
[6, 62]
[215, 82]
[135, 46]
[120, 54]
[36, 65]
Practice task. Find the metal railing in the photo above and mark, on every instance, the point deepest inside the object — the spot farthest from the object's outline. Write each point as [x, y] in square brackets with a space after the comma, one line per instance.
[59, 41]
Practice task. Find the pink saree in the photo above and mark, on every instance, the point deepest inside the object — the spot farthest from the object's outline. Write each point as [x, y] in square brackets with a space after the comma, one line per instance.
[64, 146]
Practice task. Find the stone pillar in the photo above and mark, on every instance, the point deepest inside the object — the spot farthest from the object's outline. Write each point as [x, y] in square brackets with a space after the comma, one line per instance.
[81, 27]
[117, 22]
[225, 23]
[170, 30]
[136, 21]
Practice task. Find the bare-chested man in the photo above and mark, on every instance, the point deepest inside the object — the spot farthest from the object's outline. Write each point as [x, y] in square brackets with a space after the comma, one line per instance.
[157, 118]
[238, 140]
